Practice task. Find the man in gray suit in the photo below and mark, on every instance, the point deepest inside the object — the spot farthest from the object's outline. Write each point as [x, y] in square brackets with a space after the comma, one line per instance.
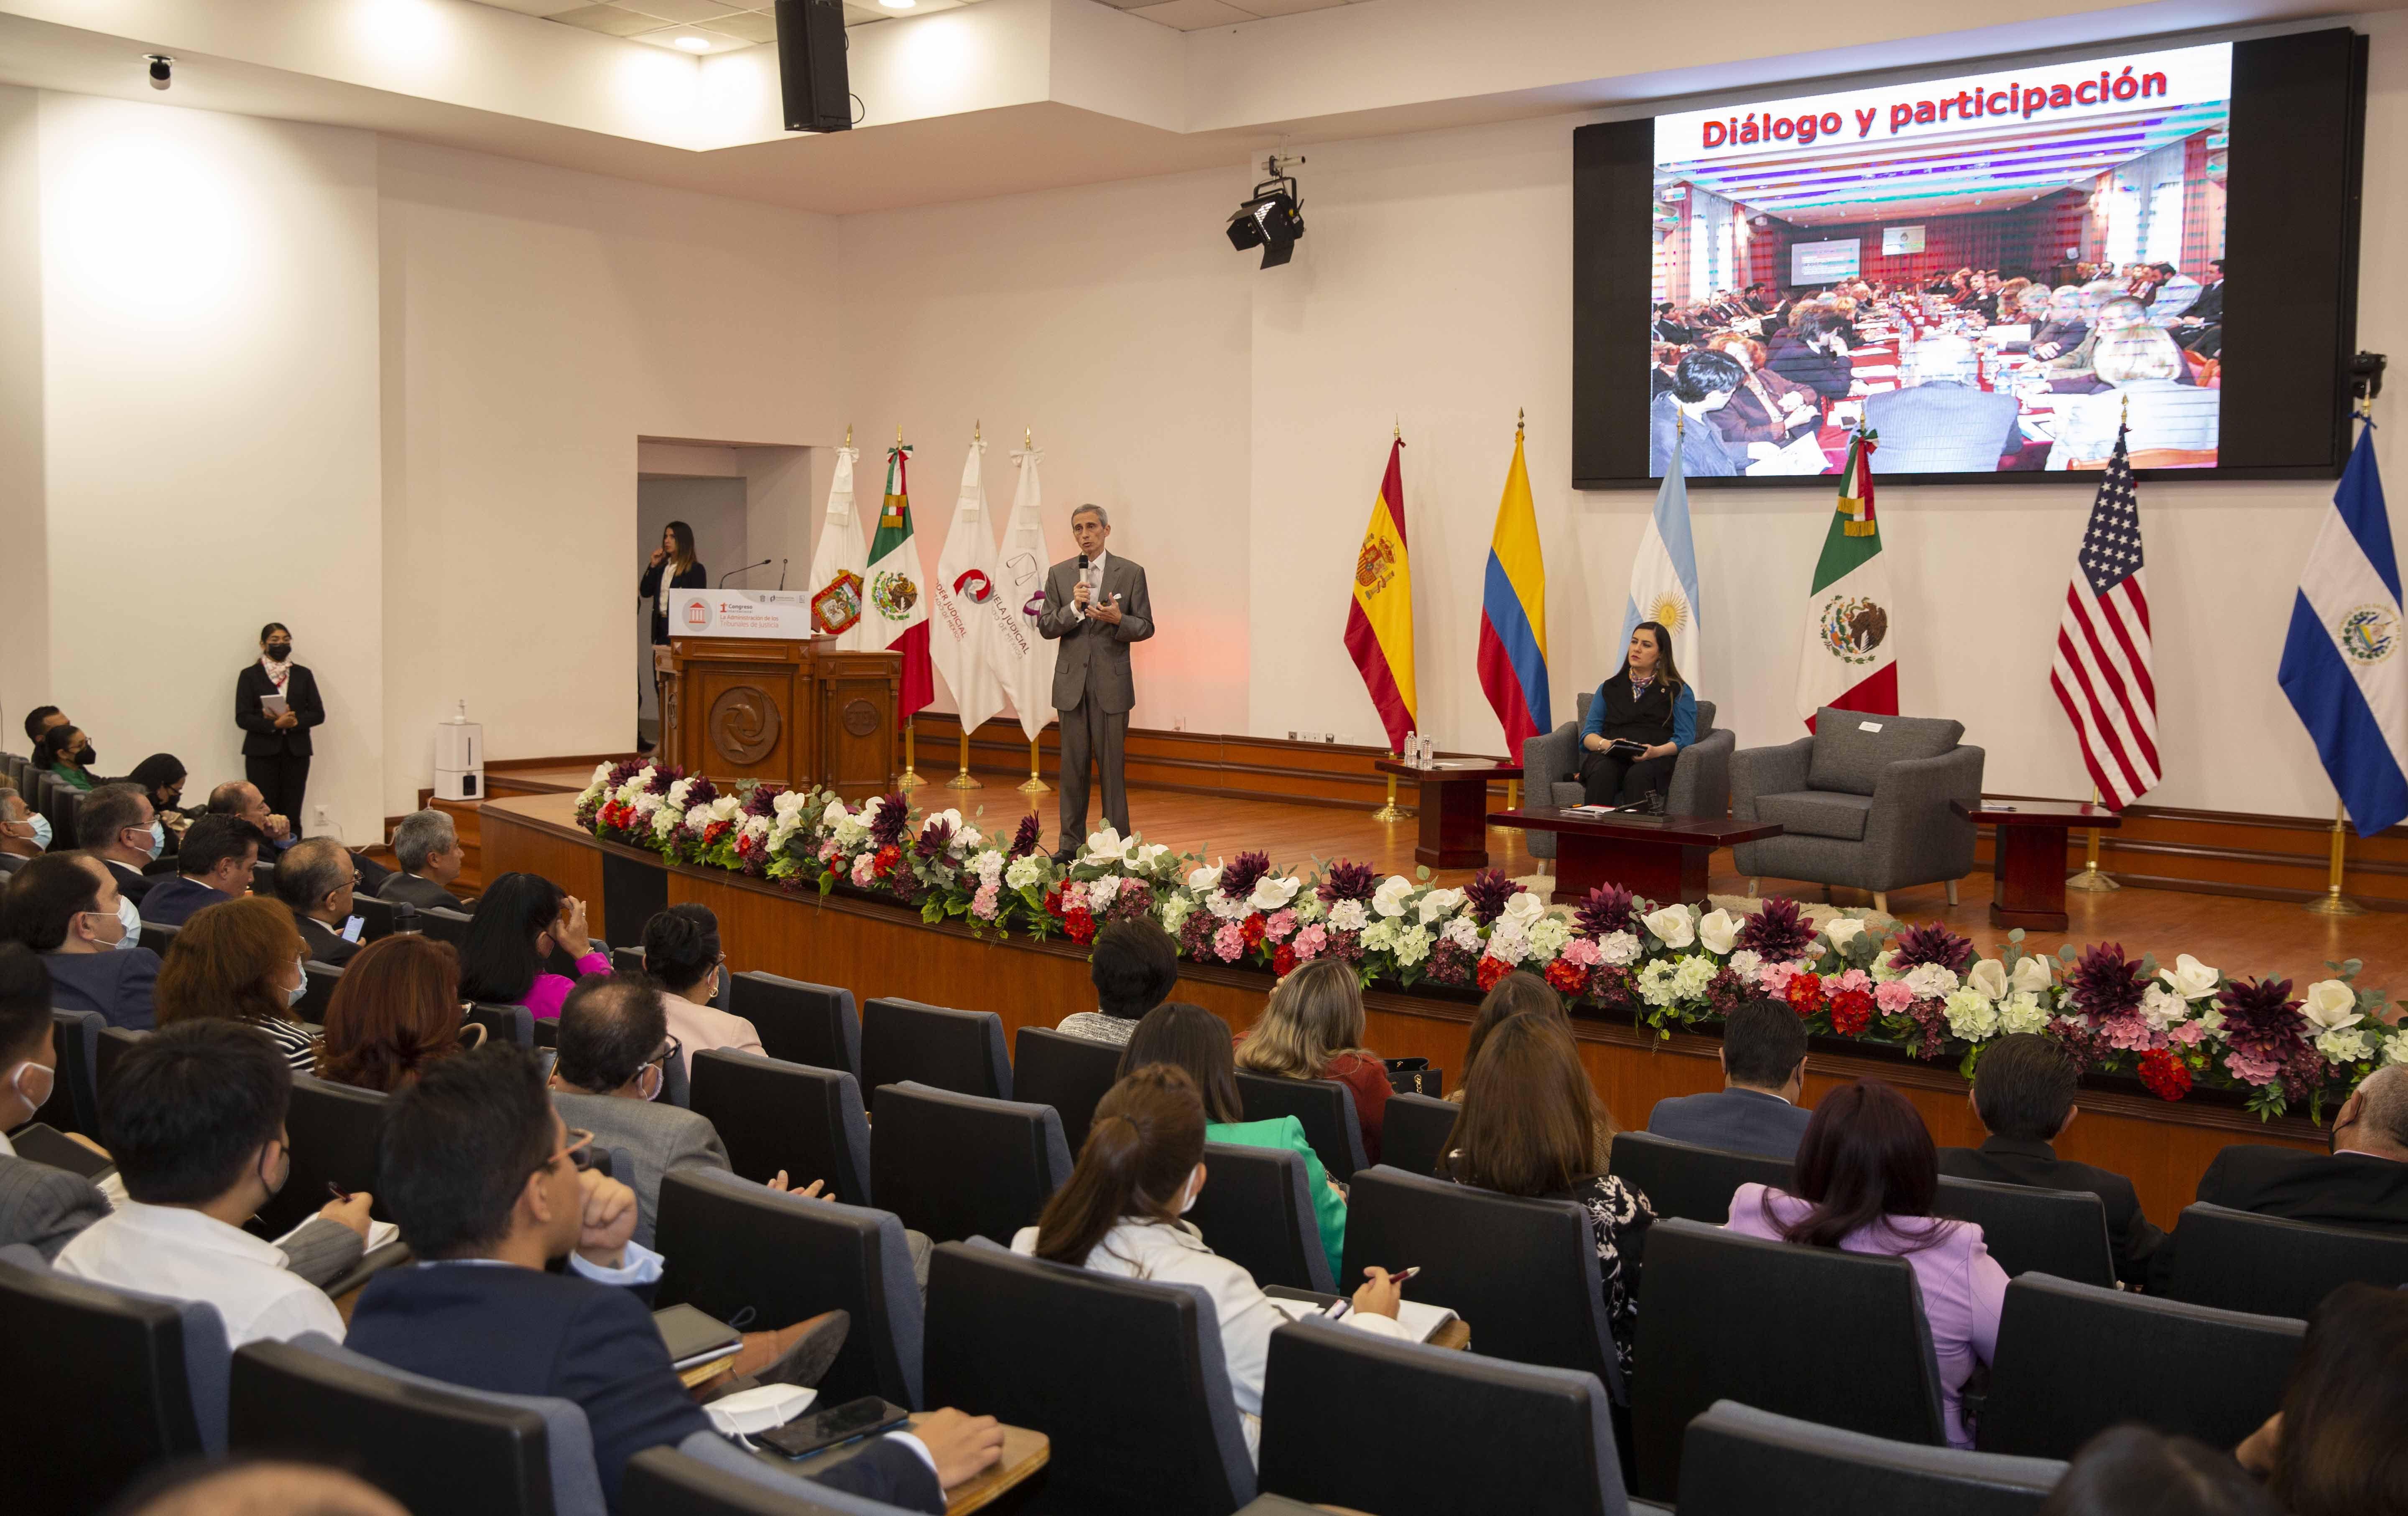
[427, 845]
[615, 1053]
[1940, 423]
[1096, 607]
[1764, 1073]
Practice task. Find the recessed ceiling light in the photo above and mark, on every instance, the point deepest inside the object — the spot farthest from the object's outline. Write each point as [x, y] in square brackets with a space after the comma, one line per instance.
[694, 44]
[899, 5]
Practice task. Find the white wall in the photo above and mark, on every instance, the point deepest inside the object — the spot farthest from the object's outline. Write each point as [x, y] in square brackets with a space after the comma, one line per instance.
[24, 566]
[209, 416]
[1434, 287]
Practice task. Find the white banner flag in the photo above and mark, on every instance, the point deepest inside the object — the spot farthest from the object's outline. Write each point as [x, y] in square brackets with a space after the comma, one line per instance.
[839, 563]
[1023, 660]
[964, 587]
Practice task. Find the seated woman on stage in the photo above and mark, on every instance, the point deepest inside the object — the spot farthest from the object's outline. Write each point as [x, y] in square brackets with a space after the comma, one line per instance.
[1648, 703]
[520, 919]
[1313, 1029]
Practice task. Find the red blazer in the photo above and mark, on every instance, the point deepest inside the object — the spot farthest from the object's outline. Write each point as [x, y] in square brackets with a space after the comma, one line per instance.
[1368, 1079]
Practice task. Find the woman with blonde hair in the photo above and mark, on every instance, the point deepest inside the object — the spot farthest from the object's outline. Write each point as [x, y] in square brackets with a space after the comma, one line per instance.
[240, 961]
[1313, 1029]
[2144, 370]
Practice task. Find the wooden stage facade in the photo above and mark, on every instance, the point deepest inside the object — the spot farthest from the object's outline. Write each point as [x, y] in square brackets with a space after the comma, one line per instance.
[881, 949]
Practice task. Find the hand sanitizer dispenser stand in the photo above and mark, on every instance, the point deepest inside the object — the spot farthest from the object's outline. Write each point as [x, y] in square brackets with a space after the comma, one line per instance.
[459, 758]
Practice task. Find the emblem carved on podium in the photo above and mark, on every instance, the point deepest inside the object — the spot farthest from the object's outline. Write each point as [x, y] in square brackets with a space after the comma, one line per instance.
[744, 724]
[860, 718]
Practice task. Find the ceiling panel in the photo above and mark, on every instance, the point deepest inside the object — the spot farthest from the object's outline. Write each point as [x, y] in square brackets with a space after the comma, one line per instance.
[1194, 15]
[686, 10]
[1289, 7]
[614, 20]
[682, 39]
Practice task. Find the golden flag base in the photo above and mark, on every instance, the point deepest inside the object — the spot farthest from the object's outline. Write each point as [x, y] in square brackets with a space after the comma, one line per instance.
[1032, 784]
[1391, 812]
[2092, 881]
[910, 780]
[962, 781]
[2332, 902]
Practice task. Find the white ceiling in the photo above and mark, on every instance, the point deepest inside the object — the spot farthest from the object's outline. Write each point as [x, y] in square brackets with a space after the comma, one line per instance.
[703, 27]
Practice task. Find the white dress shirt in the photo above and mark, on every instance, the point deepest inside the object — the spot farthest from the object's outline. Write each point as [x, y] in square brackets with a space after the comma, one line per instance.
[183, 1254]
[1093, 575]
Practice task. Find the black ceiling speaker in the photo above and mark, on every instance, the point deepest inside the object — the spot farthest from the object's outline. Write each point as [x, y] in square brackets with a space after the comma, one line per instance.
[811, 80]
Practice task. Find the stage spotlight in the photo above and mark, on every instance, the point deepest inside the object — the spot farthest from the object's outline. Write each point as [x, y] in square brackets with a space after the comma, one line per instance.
[1273, 217]
[162, 69]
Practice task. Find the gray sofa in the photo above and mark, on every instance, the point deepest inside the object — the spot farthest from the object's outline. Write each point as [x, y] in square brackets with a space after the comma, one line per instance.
[1700, 777]
[1863, 803]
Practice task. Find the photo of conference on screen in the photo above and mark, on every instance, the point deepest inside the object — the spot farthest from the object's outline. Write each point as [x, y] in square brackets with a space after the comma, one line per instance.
[1988, 271]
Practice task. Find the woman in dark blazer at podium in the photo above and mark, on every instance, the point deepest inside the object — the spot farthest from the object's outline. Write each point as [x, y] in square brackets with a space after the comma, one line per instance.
[275, 749]
[674, 562]
[1646, 702]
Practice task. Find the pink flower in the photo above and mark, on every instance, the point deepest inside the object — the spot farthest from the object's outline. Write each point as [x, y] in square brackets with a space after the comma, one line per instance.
[1854, 979]
[1775, 978]
[2187, 1035]
[1311, 942]
[2130, 1033]
[982, 904]
[1893, 997]
[1229, 943]
[2251, 1070]
[828, 851]
[864, 869]
[1581, 952]
[1280, 925]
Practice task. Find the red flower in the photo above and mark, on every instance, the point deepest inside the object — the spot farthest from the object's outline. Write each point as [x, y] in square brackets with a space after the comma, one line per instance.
[1251, 930]
[2167, 1077]
[1079, 924]
[1852, 1011]
[889, 860]
[1054, 903]
[1282, 959]
[1567, 977]
[1491, 970]
[712, 833]
[1805, 993]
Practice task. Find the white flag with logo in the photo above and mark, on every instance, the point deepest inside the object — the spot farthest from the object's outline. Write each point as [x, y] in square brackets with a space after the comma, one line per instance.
[840, 563]
[1022, 658]
[964, 587]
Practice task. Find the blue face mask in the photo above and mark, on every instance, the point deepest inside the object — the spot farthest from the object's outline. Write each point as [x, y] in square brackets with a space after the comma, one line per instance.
[158, 837]
[41, 831]
[129, 916]
[293, 996]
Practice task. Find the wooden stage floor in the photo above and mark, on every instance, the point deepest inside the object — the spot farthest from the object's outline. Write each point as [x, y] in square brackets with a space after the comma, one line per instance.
[2238, 936]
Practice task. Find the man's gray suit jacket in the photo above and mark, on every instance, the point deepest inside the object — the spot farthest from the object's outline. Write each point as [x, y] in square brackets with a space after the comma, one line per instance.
[1095, 655]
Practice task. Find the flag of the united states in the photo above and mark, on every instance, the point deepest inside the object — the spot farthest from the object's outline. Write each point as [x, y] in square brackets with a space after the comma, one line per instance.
[2101, 673]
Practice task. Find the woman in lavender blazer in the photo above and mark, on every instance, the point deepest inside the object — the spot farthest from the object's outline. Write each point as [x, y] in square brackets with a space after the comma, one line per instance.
[1866, 1180]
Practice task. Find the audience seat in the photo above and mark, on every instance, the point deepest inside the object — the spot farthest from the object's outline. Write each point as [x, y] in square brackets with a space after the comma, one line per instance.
[1522, 1272]
[2234, 1260]
[502, 1023]
[312, 1007]
[445, 925]
[736, 1246]
[74, 1105]
[104, 1381]
[2031, 1231]
[1068, 1073]
[113, 1042]
[626, 960]
[432, 1446]
[775, 1115]
[159, 938]
[1744, 1462]
[1836, 1337]
[1255, 1211]
[1125, 1376]
[1415, 1132]
[262, 878]
[960, 1166]
[906, 1041]
[1370, 1423]
[698, 1479]
[799, 1021]
[2075, 1359]
[378, 919]
[334, 1131]
[1326, 1108]
[1683, 1180]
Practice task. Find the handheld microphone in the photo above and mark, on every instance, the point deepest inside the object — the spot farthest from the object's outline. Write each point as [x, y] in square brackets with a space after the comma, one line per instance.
[746, 569]
[1082, 563]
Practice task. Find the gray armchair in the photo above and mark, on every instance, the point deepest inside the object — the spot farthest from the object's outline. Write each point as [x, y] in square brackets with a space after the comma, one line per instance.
[1700, 776]
[1863, 803]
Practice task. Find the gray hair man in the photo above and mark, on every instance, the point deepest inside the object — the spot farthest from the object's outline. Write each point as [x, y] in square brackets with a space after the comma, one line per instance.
[1096, 607]
[1940, 421]
[427, 845]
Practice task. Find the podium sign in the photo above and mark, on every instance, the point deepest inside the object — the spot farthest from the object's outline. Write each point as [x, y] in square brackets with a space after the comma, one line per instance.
[780, 613]
[752, 704]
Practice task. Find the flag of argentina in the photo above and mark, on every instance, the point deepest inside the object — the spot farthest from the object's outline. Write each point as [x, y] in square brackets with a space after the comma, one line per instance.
[2343, 667]
[1664, 575]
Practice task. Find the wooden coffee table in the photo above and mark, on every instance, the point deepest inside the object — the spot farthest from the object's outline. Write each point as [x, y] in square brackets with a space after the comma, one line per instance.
[2027, 855]
[1661, 857]
[1454, 807]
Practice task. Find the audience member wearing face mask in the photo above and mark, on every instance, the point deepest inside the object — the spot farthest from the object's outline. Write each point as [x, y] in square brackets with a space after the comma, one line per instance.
[118, 827]
[24, 833]
[67, 907]
[241, 962]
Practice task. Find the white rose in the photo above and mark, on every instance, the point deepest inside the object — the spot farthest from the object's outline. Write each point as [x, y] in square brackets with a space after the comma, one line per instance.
[678, 793]
[2023, 1013]
[2330, 1005]
[1841, 930]
[1672, 926]
[1971, 1014]
[1272, 891]
[1522, 907]
[1717, 930]
[601, 772]
[1389, 898]
[1745, 963]
[2031, 975]
[1348, 916]
[1105, 847]
[1618, 949]
[833, 814]
[726, 808]
[787, 803]
[2395, 1047]
[1989, 976]
[1440, 904]
[2189, 978]
[2344, 1046]
[2162, 1008]
[1149, 856]
[1203, 880]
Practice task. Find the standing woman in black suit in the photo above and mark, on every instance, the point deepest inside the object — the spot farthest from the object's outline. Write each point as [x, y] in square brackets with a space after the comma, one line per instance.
[276, 748]
[674, 562]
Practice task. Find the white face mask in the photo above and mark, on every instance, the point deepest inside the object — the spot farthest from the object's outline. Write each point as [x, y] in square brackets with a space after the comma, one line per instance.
[129, 916]
[293, 996]
[1194, 1188]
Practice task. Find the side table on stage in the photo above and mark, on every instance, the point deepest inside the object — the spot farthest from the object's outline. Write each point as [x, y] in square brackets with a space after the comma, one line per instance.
[1661, 857]
[2027, 855]
[1454, 807]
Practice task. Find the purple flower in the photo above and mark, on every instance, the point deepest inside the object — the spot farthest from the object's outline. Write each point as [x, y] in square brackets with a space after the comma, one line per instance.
[1242, 873]
[1195, 934]
[1607, 910]
[1135, 899]
[1616, 988]
[2266, 1034]
[891, 821]
[1726, 991]
[2105, 984]
[1487, 894]
[763, 801]
[1780, 930]
[936, 837]
[1932, 944]
[1026, 836]
[1345, 881]
[1449, 961]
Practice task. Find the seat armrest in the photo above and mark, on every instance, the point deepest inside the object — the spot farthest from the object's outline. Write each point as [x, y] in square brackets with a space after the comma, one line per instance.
[1550, 759]
[1912, 836]
[1756, 771]
[1701, 777]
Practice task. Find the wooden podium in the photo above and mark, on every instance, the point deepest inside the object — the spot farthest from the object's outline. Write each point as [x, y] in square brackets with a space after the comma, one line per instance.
[784, 710]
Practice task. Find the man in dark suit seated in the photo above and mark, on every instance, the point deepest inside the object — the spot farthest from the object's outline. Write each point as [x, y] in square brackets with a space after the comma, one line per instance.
[481, 1175]
[1941, 423]
[2022, 1092]
[427, 845]
[212, 866]
[65, 906]
[242, 799]
[315, 880]
[1764, 1073]
[118, 826]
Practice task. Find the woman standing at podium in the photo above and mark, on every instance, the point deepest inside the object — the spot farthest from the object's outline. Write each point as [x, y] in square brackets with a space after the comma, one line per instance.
[673, 567]
[1647, 709]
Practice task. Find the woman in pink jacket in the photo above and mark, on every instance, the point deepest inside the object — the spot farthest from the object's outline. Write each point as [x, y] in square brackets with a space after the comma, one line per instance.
[520, 919]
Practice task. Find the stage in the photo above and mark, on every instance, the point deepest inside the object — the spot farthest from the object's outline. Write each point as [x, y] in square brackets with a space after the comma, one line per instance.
[876, 947]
